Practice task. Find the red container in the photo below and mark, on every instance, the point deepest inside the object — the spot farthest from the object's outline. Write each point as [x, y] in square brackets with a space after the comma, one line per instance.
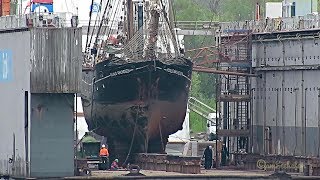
[4, 7]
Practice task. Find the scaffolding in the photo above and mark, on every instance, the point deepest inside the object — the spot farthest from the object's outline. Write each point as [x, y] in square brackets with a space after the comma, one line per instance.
[230, 58]
[234, 91]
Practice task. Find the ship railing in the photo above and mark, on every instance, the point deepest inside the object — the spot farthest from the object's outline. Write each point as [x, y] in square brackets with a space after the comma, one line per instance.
[13, 22]
[266, 25]
[275, 24]
[57, 20]
[310, 21]
[201, 109]
[63, 19]
[193, 25]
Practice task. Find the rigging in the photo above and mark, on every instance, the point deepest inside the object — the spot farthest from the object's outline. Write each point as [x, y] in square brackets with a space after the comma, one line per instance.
[91, 7]
[95, 23]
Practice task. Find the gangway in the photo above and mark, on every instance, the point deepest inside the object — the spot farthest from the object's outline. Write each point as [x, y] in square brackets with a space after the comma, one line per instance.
[201, 108]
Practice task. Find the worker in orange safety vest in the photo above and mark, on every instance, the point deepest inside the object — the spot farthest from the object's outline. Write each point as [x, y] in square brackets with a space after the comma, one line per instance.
[104, 155]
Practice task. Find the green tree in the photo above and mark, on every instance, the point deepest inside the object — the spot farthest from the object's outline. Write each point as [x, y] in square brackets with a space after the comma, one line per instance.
[203, 85]
[188, 10]
[236, 10]
[195, 86]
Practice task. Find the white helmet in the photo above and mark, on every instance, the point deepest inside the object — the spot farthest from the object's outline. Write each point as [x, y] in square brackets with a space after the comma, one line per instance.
[103, 145]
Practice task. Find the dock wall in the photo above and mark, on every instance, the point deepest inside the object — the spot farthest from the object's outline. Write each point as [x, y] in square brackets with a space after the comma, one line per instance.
[286, 95]
[40, 71]
[51, 146]
[14, 94]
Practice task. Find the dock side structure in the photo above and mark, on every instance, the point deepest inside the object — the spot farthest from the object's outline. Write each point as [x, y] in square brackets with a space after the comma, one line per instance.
[276, 110]
[40, 73]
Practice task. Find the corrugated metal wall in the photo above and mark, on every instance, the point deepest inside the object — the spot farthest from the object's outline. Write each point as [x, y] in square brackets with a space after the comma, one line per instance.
[286, 103]
[39, 72]
[14, 87]
[52, 135]
[56, 60]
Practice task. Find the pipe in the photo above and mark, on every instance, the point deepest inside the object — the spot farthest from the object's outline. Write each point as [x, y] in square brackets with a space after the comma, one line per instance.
[250, 142]
[292, 38]
[268, 142]
[305, 122]
[295, 120]
[26, 129]
[277, 124]
[302, 115]
[318, 123]
[215, 71]
[283, 118]
[76, 123]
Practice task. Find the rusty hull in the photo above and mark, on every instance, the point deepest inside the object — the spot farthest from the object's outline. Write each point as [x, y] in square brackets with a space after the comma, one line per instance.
[136, 105]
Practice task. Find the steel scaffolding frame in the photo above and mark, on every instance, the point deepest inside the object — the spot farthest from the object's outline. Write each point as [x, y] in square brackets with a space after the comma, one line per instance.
[234, 90]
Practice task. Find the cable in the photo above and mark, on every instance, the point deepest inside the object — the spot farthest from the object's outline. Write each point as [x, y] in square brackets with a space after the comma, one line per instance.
[103, 17]
[162, 144]
[92, 96]
[89, 25]
[168, 22]
[175, 22]
[73, 6]
[95, 22]
[113, 19]
[101, 22]
[65, 1]
[132, 140]
[104, 53]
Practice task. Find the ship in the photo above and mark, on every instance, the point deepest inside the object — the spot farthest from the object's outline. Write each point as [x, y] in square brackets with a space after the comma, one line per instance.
[135, 85]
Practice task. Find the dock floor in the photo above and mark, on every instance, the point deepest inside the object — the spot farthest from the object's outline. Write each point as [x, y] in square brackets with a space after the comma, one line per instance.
[205, 174]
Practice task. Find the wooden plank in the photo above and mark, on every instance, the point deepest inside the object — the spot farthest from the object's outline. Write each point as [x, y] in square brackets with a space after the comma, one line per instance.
[234, 98]
[233, 132]
[79, 114]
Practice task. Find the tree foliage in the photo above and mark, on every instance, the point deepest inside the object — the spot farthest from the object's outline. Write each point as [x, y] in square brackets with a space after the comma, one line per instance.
[189, 10]
[203, 85]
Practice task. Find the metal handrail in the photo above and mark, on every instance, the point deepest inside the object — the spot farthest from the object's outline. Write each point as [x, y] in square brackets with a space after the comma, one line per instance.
[201, 108]
[310, 21]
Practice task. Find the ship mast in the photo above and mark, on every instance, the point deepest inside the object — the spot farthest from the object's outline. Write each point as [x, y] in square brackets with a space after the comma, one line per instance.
[153, 28]
[130, 29]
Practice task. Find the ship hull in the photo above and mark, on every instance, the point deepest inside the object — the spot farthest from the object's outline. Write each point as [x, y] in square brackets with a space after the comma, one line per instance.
[136, 106]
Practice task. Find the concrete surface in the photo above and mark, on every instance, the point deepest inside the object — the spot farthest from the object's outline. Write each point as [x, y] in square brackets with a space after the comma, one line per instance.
[205, 174]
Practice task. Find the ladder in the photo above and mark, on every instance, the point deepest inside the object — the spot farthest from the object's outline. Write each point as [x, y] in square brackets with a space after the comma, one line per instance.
[201, 108]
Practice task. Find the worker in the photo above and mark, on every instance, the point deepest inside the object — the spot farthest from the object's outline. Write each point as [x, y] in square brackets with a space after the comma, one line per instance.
[208, 157]
[242, 142]
[94, 50]
[224, 155]
[114, 165]
[104, 155]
